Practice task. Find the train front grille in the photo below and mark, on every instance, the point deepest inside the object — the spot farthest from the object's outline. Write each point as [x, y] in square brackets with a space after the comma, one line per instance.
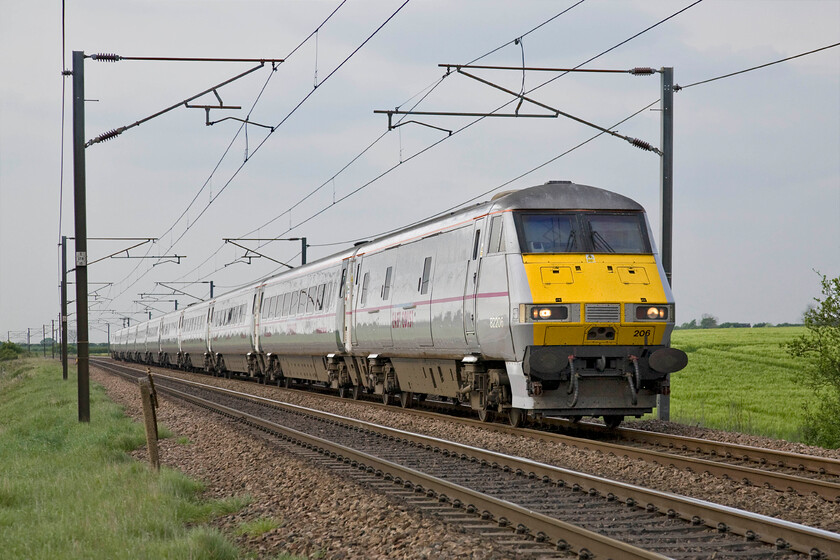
[602, 313]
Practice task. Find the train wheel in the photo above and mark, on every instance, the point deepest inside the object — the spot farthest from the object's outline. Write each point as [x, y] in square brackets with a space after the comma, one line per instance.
[516, 416]
[484, 415]
[357, 392]
[613, 420]
[406, 398]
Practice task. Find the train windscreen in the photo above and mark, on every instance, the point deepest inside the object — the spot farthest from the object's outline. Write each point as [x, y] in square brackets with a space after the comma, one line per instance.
[583, 232]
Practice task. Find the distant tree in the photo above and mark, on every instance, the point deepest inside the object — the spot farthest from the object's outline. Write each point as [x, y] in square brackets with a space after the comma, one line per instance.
[691, 325]
[10, 351]
[820, 348]
[708, 321]
[762, 325]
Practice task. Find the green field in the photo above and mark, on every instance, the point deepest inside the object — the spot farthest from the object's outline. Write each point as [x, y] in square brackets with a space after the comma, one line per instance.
[70, 490]
[741, 380]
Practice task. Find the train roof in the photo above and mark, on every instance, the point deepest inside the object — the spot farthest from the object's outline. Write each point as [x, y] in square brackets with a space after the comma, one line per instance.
[553, 195]
[556, 195]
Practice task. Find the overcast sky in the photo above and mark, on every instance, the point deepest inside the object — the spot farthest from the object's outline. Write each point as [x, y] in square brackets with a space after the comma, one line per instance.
[756, 165]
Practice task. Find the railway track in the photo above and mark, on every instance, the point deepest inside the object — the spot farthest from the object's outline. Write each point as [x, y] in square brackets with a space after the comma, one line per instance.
[554, 506]
[752, 466]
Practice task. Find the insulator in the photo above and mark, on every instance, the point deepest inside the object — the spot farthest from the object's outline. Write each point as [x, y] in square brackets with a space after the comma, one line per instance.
[642, 71]
[642, 144]
[106, 57]
[108, 135]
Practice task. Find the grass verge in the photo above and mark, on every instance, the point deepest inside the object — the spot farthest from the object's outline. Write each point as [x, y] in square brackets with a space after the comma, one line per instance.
[70, 490]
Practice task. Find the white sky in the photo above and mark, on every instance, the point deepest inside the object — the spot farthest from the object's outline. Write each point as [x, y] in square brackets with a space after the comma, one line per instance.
[757, 156]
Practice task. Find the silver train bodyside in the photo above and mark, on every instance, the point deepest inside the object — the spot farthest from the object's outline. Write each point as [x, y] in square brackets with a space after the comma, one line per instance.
[453, 308]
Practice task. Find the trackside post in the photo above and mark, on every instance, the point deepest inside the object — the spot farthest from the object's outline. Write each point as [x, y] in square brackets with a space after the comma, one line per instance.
[148, 396]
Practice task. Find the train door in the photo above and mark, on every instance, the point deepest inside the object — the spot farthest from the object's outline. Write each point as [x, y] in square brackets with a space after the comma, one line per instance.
[352, 299]
[180, 327]
[205, 332]
[343, 304]
[255, 319]
[471, 284]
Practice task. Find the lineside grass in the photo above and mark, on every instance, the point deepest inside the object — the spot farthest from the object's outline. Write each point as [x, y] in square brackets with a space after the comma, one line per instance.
[741, 380]
[69, 490]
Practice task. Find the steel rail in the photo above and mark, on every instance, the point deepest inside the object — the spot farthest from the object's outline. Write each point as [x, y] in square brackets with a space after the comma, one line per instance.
[748, 475]
[745, 474]
[554, 530]
[773, 531]
[820, 465]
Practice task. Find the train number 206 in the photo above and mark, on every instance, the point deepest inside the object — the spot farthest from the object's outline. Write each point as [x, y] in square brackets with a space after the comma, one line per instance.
[642, 332]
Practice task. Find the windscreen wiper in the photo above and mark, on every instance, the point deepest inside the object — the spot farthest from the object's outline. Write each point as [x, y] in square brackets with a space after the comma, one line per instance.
[598, 238]
[570, 244]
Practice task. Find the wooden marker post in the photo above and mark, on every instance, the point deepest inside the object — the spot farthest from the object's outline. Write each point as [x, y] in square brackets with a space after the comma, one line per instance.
[149, 398]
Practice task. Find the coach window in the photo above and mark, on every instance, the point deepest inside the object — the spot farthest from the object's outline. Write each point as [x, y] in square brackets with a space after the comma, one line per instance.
[427, 272]
[475, 246]
[319, 301]
[386, 289]
[341, 282]
[287, 304]
[328, 295]
[365, 288]
[310, 299]
[302, 301]
[293, 307]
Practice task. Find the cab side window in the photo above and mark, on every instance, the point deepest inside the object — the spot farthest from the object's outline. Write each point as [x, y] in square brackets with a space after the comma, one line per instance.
[497, 238]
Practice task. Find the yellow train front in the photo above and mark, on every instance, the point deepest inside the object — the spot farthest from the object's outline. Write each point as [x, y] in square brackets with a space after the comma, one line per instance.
[591, 331]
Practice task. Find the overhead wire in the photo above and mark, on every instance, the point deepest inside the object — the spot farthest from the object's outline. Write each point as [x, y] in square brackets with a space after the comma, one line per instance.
[731, 74]
[358, 189]
[428, 90]
[225, 153]
[235, 173]
[479, 119]
[550, 161]
[676, 88]
[381, 175]
[238, 132]
[294, 110]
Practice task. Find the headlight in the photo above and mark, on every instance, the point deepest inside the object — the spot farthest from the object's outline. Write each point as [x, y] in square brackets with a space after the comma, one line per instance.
[652, 313]
[548, 313]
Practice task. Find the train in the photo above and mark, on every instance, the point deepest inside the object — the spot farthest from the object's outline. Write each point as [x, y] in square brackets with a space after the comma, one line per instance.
[545, 301]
